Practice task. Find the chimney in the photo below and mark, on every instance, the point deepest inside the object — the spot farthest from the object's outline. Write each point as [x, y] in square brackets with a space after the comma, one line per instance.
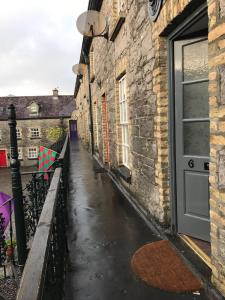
[55, 93]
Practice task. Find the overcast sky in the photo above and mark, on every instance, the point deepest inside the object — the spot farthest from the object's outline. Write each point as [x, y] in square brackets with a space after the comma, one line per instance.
[39, 43]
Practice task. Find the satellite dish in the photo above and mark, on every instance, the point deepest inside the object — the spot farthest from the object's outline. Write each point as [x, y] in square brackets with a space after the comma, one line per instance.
[78, 69]
[91, 23]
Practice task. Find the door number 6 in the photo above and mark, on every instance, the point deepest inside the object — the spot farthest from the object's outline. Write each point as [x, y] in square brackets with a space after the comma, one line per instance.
[191, 163]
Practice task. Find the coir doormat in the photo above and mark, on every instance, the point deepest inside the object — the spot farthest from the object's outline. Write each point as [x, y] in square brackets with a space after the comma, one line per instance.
[161, 267]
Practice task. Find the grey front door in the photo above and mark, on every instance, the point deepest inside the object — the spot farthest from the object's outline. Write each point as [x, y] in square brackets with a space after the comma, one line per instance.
[192, 136]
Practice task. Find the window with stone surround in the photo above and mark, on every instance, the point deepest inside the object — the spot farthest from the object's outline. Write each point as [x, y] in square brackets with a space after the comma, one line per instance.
[20, 153]
[92, 65]
[117, 19]
[32, 153]
[33, 109]
[35, 133]
[18, 133]
[124, 121]
[120, 6]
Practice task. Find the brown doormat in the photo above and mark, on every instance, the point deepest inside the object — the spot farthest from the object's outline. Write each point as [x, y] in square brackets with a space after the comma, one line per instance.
[160, 266]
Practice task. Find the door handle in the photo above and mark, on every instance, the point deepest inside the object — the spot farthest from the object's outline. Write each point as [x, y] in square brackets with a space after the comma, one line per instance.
[191, 164]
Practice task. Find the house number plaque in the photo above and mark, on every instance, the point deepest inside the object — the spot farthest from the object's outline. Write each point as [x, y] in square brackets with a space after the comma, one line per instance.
[154, 9]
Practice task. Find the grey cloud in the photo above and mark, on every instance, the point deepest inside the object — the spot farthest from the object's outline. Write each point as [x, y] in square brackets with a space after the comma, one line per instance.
[37, 52]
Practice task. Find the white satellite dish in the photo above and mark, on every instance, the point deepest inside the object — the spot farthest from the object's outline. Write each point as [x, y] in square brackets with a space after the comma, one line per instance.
[91, 24]
[78, 69]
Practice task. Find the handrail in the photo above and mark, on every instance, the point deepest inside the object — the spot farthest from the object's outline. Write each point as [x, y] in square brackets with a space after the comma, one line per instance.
[36, 172]
[44, 270]
[36, 264]
[64, 149]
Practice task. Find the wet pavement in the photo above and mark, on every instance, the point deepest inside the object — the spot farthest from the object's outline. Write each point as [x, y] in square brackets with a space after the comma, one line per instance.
[104, 232]
[5, 179]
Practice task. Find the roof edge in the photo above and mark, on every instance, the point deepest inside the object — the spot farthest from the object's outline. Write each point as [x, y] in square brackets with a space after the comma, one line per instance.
[86, 44]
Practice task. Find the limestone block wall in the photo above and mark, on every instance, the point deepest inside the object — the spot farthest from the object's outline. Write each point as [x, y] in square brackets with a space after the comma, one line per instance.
[82, 111]
[217, 140]
[140, 51]
[133, 53]
[47, 136]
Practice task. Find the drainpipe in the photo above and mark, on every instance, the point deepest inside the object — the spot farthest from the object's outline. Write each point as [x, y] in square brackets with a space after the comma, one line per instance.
[87, 62]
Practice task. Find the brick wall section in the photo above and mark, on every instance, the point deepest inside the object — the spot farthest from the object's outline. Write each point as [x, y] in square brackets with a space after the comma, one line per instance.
[217, 139]
[170, 11]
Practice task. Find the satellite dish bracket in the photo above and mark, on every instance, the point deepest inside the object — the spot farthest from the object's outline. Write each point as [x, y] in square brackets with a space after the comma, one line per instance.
[80, 77]
[105, 35]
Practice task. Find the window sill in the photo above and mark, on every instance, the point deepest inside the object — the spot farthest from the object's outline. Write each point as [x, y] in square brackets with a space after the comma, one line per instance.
[124, 173]
[117, 27]
[34, 158]
[35, 138]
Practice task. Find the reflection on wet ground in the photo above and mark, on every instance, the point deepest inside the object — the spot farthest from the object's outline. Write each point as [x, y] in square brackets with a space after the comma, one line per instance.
[104, 232]
[5, 179]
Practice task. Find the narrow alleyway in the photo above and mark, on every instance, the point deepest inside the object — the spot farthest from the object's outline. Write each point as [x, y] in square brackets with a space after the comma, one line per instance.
[104, 233]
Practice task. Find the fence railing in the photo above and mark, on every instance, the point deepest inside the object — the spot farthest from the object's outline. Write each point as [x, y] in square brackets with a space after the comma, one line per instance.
[57, 146]
[44, 270]
[41, 204]
[34, 196]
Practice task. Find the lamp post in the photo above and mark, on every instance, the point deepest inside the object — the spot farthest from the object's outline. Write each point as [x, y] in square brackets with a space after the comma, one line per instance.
[17, 189]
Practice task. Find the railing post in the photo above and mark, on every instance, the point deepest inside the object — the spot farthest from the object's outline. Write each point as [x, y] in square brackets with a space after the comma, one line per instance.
[17, 189]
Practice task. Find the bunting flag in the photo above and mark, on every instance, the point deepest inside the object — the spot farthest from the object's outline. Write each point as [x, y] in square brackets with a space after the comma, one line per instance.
[5, 208]
[46, 159]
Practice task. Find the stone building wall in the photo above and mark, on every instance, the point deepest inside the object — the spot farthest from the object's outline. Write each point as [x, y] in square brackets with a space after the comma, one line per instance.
[49, 135]
[217, 139]
[82, 112]
[140, 50]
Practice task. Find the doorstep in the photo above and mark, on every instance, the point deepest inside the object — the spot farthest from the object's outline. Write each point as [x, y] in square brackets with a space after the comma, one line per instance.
[199, 247]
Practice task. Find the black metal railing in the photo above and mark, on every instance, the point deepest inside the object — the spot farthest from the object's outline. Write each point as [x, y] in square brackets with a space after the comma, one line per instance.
[40, 204]
[47, 256]
[34, 196]
[2, 242]
[36, 190]
[57, 146]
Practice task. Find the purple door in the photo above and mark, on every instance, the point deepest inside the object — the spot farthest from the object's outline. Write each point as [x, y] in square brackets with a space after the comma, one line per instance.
[73, 130]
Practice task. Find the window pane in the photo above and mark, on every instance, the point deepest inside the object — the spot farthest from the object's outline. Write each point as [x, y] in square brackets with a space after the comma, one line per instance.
[122, 135]
[195, 61]
[123, 149]
[121, 115]
[125, 156]
[120, 92]
[196, 100]
[124, 111]
[126, 135]
[196, 138]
